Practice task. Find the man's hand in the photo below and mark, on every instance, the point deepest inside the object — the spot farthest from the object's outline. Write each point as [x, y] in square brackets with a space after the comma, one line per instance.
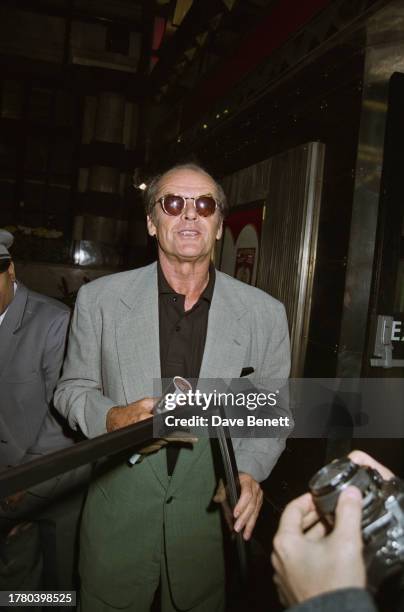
[308, 563]
[248, 506]
[122, 416]
[176, 437]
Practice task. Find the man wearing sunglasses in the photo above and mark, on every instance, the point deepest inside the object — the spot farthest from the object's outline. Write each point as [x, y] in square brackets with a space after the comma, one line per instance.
[154, 525]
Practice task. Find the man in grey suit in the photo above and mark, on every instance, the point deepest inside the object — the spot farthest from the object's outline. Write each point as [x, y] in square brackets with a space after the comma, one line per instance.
[33, 331]
[315, 571]
[154, 524]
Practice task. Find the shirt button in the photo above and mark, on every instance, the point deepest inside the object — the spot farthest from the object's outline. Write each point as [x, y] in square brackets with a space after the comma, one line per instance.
[169, 499]
[175, 299]
[178, 328]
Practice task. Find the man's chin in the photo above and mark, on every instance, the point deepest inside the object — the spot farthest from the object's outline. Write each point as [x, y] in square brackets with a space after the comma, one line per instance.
[188, 255]
[191, 256]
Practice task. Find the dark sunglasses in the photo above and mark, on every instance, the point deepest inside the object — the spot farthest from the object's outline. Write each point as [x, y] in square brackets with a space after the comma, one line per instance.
[205, 205]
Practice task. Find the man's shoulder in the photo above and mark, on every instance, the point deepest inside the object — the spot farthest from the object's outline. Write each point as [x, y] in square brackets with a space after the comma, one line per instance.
[112, 285]
[46, 304]
[249, 295]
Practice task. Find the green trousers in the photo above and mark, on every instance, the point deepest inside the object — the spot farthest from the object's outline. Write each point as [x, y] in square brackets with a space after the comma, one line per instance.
[146, 593]
[141, 529]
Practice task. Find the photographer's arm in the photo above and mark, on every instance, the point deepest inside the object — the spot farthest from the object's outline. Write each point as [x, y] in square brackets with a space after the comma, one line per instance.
[343, 600]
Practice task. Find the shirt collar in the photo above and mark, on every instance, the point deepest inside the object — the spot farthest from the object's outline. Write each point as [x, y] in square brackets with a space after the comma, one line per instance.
[164, 288]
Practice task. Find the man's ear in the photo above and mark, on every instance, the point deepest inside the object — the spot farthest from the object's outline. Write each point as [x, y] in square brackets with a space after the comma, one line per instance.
[151, 228]
[11, 271]
[219, 230]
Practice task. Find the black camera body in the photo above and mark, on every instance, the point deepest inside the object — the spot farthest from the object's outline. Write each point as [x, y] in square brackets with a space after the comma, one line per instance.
[382, 513]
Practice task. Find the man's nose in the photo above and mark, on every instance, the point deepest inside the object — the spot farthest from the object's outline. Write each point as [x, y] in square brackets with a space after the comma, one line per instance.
[190, 210]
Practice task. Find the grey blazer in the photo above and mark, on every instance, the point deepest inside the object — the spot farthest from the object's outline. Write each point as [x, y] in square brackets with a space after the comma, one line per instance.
[32, 344]
[113, 354]
[343, 600]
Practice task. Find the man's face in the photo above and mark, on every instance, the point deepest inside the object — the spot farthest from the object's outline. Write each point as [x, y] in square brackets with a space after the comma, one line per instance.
[7, 279]
[187, 237]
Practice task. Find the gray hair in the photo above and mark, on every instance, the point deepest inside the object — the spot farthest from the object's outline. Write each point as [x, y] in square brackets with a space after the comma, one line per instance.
[150, 193]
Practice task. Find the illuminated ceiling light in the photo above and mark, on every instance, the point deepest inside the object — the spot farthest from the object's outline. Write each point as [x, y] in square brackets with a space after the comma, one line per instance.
[205, 126]
[142, 186]
[226, 111]
[218, 116]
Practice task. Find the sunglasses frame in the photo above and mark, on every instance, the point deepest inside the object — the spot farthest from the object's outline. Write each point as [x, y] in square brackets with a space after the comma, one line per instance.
[184, 199]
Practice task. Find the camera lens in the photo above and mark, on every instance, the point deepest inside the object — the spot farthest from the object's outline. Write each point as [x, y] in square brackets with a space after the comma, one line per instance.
[327, 484]
[332, 476]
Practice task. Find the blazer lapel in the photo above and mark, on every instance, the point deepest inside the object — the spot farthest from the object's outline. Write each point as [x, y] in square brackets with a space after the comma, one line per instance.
[227, 343]
[137, 337]
[10, 326]
[138, 349]
[227, 340]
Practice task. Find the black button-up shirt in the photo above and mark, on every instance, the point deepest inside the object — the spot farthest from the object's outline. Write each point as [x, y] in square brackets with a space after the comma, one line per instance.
[182, 336]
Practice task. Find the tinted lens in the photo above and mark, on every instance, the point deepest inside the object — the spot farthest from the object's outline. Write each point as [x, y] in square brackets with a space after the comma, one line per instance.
[205, 206]
[173, 204]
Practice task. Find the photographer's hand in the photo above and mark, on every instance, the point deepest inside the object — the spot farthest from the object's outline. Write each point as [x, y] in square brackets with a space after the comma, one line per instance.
[308, 563]
[362, 458]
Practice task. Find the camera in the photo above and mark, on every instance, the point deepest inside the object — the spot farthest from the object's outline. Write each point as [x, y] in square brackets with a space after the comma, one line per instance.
[382, 513]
